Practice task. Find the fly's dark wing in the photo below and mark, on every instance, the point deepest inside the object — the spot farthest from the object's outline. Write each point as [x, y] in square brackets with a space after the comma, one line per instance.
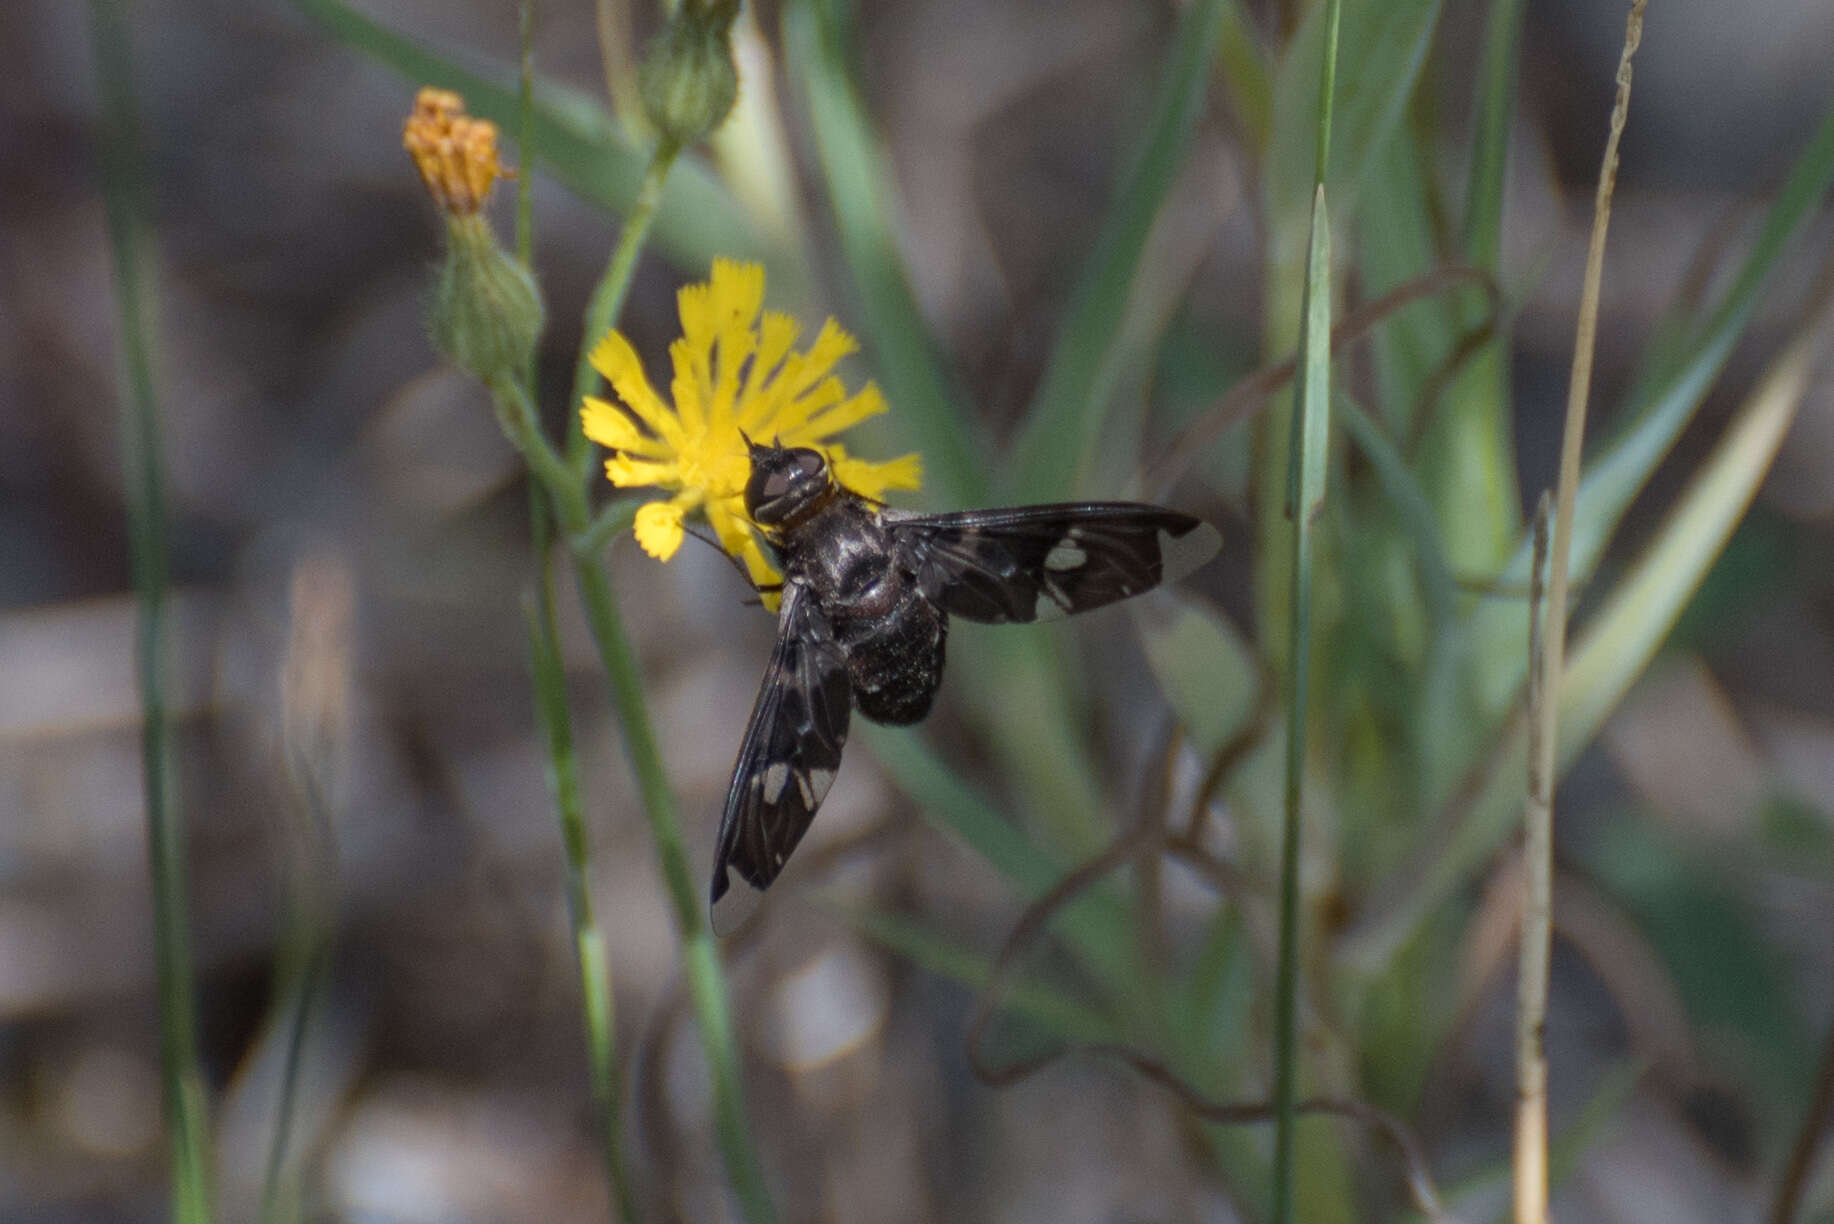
[791, 752]
[1038, 562]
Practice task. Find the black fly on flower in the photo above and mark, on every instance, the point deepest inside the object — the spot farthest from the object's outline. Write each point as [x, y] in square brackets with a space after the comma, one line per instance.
[866, 591]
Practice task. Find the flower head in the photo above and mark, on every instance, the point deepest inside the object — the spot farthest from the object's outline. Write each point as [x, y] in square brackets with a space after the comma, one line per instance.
[486, 312]
[735, 375]
[456, 154]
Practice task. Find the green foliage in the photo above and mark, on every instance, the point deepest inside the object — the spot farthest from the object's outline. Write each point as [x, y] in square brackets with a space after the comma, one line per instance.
[1396, 678]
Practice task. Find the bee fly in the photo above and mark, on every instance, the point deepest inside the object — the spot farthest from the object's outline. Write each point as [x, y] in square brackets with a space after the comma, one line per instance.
[867, 596]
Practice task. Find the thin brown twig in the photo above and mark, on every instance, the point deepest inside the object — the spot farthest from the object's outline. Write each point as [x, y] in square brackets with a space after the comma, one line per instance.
[1142, 839]
[1469, 345]
[1530, 1166]
[1535, 929]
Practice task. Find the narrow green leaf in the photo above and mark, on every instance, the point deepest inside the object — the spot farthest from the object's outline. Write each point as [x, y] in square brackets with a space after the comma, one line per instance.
[1247, 75]
[1064, 422]
[187, 1124]
[930, 414]
[1470, 457]
[1389, 39]
[1621, 467]
[937, 953]
[1620, 470]
[1617, 644]
[1496, 108]
[1397, 243]
[1411, 508]
[1096, 922]
[1305, 483]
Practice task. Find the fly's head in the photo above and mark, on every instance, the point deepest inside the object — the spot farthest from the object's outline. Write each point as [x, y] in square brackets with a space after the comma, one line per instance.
[788, 484]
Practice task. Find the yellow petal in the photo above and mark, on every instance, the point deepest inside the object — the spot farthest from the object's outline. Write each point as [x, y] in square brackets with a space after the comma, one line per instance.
[618, 362]
[775, 336]
[612, 429]
[832, 344]
[818, 399]
[730, 526]
[727, 473]
[658, 529]
[762, 576]
[868, 402]
[737, 292]
[735, 345]
[626, 472]
[693, 383]
[870, 479]
[695, 305]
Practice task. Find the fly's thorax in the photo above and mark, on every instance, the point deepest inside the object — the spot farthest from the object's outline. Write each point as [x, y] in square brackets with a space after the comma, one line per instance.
[847, 558]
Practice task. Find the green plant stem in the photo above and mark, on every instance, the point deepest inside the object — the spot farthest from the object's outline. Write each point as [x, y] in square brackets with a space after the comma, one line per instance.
[700, 953]
[597, 1004]
[608, 297]
[186, 1138]
[1305, 483]
[548, 673]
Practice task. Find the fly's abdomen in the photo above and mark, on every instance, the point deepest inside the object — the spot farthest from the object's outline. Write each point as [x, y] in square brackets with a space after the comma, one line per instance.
[895, 661]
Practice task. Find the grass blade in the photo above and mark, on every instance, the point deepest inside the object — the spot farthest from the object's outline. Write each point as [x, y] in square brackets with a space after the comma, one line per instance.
[1496, 107]
[141, 454]
[1065, 419]
[1306, 487]
[938, 954]
[854, 171]
[1622, 466]
[1307, 453]
[1096, 921]
[1616, 646]
[1391, 38]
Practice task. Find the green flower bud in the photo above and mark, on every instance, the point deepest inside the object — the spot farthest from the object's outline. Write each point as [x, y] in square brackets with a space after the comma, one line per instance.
[487, 311]
[688, 79]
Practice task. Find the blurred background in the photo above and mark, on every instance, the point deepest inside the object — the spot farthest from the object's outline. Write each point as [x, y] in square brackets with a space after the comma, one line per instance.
[350, 554]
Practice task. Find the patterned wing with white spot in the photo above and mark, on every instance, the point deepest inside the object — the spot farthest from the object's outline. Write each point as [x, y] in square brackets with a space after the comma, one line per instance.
[1040, 562]
[792, 751]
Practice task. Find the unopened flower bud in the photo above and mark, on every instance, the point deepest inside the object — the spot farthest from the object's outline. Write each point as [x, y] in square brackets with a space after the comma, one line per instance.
[688, 79]
[487, 311]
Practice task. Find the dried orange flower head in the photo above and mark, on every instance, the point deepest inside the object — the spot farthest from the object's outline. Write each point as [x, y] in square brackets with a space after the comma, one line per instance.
[456, 154]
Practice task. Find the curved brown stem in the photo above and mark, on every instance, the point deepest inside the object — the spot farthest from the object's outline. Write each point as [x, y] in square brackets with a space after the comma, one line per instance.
[1251, 392]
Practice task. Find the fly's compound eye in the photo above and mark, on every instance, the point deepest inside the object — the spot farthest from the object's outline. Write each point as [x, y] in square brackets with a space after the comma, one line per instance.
[783, 483]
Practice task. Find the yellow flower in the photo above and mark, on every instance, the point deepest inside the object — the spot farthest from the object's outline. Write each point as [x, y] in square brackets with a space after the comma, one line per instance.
[735, 374]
